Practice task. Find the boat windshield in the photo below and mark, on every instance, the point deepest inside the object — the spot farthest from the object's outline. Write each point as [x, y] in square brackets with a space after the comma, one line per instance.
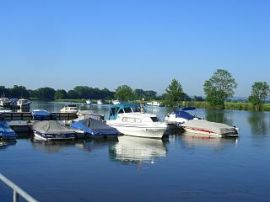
[154, 119]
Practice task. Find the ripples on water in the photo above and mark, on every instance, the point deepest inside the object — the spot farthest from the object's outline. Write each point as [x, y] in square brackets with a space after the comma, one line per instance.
[181, 168]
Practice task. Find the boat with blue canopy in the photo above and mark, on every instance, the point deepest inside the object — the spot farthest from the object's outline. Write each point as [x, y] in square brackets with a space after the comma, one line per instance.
[180, 116]
[41, 114]
[6, 133]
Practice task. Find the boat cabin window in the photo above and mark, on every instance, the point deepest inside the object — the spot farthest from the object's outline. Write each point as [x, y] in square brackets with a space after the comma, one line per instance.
[131, 120]
[121, 111]
[127, 110]
[154, 119]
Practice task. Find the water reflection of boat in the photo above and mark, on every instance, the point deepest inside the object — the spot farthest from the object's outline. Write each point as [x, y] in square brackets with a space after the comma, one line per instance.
[137, 150]
[192, 140]
[91, 145]
[4, 144]
[51, 147]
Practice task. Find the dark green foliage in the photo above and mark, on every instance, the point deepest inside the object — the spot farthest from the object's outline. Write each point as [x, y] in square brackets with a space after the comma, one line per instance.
[124, 93]
[60, 94]
[146, 95]
[46, 93]
[219, 88]
[260, 91]
[174, 93]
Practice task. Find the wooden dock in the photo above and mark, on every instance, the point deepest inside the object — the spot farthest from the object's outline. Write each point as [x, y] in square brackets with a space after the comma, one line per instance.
[27, 116]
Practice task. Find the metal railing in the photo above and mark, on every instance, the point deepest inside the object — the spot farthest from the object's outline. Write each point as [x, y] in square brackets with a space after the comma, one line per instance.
[17, 191]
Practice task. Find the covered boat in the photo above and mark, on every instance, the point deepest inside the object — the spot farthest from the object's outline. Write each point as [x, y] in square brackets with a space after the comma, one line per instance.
[6, 133]
[94, 128]
[52, 130]
[210, 129]
[41, 114]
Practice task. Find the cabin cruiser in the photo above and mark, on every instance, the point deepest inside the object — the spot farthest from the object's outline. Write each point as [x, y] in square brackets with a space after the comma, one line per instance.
[52, 131]
[129, 119]
[71, 108]
[210, 129]
[180, 116]
[21, 103]
[4, 102]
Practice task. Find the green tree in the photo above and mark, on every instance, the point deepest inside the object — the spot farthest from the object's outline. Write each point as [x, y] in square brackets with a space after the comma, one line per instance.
[45, 93]
[260, 91]
[60, 94]
[174, 93]
[219, 88]
[124, 93]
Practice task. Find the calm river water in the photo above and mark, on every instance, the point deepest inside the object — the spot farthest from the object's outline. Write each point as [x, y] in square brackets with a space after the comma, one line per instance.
[140, 169]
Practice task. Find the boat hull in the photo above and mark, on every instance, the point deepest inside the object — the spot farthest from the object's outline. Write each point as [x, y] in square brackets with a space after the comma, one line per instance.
[207, 133]
[53, 137]
[147, 132]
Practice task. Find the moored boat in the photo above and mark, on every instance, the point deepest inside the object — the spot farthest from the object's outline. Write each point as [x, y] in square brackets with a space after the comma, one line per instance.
[23, 103]
[41, 114]
[94, 128]
[115, 102]
[6, 133]
[4, 102]
[52, 131]
[71, 108]
[180, 116]
[88, 102]
[99, 102]
[210, 129]
[130, 120]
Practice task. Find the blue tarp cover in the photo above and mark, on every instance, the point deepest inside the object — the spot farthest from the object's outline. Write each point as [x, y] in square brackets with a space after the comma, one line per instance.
[5, 131]
[183, 114]
[94, 127]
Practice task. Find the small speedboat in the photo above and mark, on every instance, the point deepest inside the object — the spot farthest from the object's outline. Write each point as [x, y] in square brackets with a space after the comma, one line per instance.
[41, 114]
[210, 129]
[88, 102]
[93, 128]
[52, 131]
[180, 116]
[130, 120]
[71, 108]
[6, 133]
[154, 103]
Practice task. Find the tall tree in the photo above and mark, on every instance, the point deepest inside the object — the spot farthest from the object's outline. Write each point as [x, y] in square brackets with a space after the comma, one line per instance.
[260, 91]
[219, 88]
[60, 94]
[124, 93]
[174, 93]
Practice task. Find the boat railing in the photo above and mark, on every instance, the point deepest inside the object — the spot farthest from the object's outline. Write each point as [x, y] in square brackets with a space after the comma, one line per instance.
[17, 191]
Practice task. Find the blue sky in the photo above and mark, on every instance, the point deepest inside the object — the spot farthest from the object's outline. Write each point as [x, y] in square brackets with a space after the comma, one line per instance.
[141, 43]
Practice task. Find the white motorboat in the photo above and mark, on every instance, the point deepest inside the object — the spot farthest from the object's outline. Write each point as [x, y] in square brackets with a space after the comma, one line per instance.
[129, 120]
[115, 102]
[4, 102]
[99, 102]
[22, 103]
[88, 102]
[210, 129]
[71, 108]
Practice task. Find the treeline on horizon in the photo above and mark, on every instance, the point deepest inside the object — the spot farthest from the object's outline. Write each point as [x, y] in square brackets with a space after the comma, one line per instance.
[78, 92]
[218, 90]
